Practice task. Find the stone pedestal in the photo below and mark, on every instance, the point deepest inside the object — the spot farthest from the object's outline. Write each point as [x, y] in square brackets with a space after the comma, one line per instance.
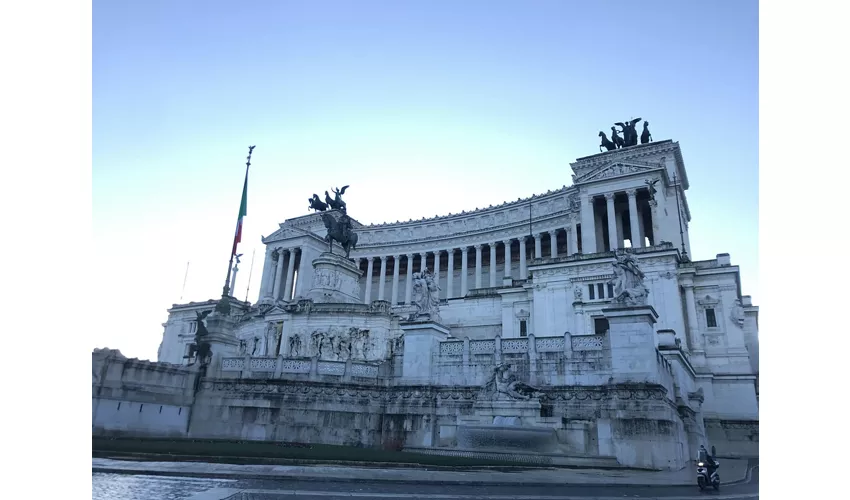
[421, 342]
[223, 343]
[335, 280]
[632, 340]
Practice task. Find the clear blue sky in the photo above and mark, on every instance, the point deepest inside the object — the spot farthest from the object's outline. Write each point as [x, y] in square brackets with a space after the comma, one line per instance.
[424, 108]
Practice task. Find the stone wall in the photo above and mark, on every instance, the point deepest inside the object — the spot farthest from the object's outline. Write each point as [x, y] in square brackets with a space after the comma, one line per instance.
[733, 438]
[140, 398]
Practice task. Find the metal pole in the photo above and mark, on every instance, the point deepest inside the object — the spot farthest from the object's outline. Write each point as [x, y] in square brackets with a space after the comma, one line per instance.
[679, 215]
[225, 292]
[250, 272]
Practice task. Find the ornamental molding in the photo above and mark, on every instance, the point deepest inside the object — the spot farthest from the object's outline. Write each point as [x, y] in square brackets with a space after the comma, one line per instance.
[618, 169]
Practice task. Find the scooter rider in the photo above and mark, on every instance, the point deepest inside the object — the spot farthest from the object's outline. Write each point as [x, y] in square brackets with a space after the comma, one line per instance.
[707, 459]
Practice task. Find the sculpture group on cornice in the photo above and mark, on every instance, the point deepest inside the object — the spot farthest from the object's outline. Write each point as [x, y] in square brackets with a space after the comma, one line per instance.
[629, 288]
[335, 203]
[629, 138]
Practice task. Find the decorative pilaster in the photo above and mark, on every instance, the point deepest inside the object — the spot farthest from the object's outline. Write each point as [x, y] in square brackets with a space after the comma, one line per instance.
[612, 222]
[477, 266]
[693, 328]
[492, 268]
[408, 284]
[633, 219]
[538, 247]
[275, 256]
[464, 264]
[267, 276]
[367, 299]
[508, 273]
[394, 296]
[553, 243]
[383, 277]
[450, 274]
[279, 275]
[290, 275]
[523, 264]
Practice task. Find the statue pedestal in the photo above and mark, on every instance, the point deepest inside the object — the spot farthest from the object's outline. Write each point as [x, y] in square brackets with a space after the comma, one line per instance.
[421, 342]
[336, 280]
[223, 343]
[632, 340]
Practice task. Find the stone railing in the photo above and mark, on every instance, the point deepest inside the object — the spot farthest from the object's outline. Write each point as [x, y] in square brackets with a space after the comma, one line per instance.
[665, 373]
[545, 358]
[281, 367]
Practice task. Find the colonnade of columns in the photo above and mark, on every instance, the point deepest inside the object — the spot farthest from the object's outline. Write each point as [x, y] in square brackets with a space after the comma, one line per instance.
[434, 258]
[280, 273]
[595, 229]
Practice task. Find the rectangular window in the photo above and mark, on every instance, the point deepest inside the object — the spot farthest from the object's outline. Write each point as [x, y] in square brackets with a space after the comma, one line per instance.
[610, 291]
[600, 289]
[592, 290]
[600, 326]
[710, 318]
[523, 328]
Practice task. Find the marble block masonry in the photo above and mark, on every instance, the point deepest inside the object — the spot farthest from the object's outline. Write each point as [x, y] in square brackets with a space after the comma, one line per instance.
[592, 339]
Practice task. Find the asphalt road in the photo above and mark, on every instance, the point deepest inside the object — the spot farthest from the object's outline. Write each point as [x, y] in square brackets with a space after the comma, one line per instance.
[135, 487]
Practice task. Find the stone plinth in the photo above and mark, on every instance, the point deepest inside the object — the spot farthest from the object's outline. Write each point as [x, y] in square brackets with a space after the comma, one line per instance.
[632, 340]
[421, 341]
[221, 338]
[335, 280]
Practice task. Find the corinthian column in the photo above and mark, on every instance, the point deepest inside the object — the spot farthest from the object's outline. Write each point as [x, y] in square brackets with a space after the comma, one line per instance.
[477, 266]
[633, 219]
[612, 222]
[369, 271]
[394, 296]
[588, 226]
[437, 268]
[382, 278]
[269, 291]
[279, 277]
[572, 245]
[450, 274]
[290, 274]
[538, 249]
[408, 285]
[523, 265]
[508, 273]
[423, 260]
[492, 268]
[464, 264]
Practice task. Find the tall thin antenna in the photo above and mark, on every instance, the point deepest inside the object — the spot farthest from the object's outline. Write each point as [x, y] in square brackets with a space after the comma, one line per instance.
[185, 276]
[530, 231]
[679, 215]
[250, 272]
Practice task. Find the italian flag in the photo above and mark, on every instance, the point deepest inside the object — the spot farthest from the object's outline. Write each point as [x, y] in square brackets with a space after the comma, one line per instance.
[243, 210]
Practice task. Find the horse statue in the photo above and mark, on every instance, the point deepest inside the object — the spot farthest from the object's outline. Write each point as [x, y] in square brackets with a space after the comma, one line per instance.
[200, 348]
[645, 137]
[316, 204]
[336, 203]
[340, 230]
[610, 146]
[615, 138]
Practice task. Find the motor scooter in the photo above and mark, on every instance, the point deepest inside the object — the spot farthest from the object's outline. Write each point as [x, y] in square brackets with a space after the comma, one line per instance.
[703, 478]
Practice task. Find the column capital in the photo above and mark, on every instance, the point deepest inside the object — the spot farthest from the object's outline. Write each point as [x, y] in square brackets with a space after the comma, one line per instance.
[493, 244]
[437, 253]
[409, 255]
[370, 259]
[478, 246]
[423, 254]
[553, 232]
[465, 248]
[396, 256]
[537, 236]
[609, 197]
[507, 242]
[631, 192]
[522, 238]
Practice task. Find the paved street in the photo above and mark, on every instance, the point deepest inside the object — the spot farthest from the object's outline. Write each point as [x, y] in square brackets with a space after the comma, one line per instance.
[108, 486]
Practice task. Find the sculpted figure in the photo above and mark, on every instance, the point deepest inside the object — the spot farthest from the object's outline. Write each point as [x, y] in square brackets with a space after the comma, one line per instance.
[316, 343]
[506, 386]
[608, 145]
[578, 293]
[295, 346]
[629, 288]
[615, 138]
[426, 293]
[340, 231]
[317, 204]
[645, 137]
[326, 348]
[737, 315]
[336, 203]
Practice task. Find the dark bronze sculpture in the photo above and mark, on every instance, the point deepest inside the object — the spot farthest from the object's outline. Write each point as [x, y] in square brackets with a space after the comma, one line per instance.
[610, 146]
[616, 139]
[340, 230]
[316, 204]
[336, 203]
[645, 137]
[200, 348]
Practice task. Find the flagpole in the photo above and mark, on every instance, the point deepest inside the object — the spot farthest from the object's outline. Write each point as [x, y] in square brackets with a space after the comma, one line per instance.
[224, 304]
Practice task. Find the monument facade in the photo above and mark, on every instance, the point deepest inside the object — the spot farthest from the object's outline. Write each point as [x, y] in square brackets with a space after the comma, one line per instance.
[569, 327]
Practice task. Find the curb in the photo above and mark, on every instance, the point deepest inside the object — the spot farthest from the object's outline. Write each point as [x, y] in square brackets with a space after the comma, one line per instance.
[318, 478]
